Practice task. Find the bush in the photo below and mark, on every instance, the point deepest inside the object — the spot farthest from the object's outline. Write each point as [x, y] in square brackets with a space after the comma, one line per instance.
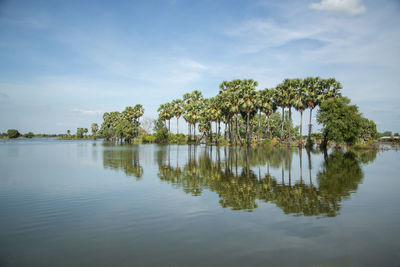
[13, 133]
[28, 135]
[161, 132]
[148, 138]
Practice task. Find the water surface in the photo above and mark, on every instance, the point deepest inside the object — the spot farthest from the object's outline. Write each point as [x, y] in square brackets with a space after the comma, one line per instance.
[89, 203]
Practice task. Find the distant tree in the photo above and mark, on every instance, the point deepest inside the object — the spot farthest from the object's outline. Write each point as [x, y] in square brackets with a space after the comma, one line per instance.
[29, 135]
[341, 121]
[95, 128]
[13, 133]
[160, 131]
[368, 129]
[68, 132]
[80, 132]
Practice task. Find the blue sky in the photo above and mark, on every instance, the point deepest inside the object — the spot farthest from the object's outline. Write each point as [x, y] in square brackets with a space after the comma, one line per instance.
[64, 63]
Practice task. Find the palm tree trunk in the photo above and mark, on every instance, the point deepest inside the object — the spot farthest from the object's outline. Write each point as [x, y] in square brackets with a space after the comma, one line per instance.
[283, 120]
[194, 132]
[169, 125]
[247, 129]
[309, 127]
[237, 130]
[290, 122]
[218, 132]
[177, 125]
[301, 128]
[301, 164]
[268, 128]
[230, 131]
[189, 131]
[259, 126]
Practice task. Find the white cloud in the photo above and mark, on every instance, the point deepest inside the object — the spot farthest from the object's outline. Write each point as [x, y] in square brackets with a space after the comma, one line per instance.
[350, 7]
[88, 111]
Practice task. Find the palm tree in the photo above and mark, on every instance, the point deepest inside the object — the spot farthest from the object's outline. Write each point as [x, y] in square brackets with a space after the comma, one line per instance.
[280, 100]
[217, 114]
[289, 89]
[267, 105]
[177, 111]
[193, 104]
[226, 95]
[330, 88]
[248, 102]
[162, 113]
[138, 111]
[313, 98]
[300, 105]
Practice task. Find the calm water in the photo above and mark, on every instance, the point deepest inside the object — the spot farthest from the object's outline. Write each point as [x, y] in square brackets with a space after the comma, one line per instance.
[71, 203]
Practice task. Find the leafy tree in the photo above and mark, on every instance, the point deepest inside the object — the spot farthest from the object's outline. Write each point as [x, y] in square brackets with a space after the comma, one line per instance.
[341, 121]
[368, 129]
[160, 131]
[29, 135]
[13, 133]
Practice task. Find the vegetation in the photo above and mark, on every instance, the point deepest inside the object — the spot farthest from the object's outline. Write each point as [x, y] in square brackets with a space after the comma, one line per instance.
[242, 178]
[13, 133]
[341, 121]
[249, 115]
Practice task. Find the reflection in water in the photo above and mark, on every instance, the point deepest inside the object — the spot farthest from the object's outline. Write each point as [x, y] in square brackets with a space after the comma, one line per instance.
[235, 175]
[124, 158]
[242, 178]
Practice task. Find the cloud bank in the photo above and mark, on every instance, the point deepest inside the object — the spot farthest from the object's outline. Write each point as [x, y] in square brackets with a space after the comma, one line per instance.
[349, 7]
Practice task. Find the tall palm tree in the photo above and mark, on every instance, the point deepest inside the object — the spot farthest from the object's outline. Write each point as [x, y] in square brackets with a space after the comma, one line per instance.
[216, 110]
[313, 97]
[289, 89]
[280, 100]
[138, 111]
[300, 105]
[177, 111]
[248, 102]
[193, 104]
[267, 105]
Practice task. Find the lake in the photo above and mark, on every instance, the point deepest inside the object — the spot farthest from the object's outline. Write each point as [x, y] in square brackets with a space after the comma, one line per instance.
[89, 203]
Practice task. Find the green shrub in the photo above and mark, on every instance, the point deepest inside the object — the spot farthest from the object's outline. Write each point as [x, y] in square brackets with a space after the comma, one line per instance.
[13, 133]
[28, 135]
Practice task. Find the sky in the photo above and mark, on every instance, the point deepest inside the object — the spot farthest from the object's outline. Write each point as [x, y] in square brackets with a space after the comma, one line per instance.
[64, 63]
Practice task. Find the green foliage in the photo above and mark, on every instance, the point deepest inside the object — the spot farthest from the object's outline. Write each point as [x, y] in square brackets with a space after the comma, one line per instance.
[368, 129]
[341, 121]
[160, 132]
[13, 133]
[94, 128]
[80, 132]
[386, 133]
[124, 126]
[28, 135]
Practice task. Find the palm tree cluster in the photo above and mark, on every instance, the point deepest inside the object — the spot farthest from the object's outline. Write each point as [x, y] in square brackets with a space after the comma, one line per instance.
[238, 104]
[122, 126]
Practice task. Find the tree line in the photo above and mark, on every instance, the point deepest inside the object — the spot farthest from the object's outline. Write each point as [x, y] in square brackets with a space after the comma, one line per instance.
[246, 111]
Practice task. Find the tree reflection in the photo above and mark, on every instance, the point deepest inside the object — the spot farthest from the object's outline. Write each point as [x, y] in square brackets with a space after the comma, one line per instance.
[123, 158]
[238, 186]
